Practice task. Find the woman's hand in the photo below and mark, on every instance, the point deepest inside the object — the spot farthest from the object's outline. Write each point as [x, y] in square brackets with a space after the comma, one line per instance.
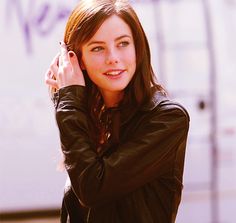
[64, 70]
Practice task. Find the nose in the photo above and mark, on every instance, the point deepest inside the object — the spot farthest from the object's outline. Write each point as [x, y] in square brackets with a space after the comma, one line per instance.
[112, 57]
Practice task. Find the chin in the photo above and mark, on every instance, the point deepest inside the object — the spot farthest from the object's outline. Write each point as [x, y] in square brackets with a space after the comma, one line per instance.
[117, 88]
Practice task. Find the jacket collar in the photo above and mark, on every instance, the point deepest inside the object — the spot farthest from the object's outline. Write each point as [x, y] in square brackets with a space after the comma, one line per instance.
[127, 113]
[157, 98]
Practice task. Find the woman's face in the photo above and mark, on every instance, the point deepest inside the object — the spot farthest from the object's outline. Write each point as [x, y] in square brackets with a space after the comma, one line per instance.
[109, 56]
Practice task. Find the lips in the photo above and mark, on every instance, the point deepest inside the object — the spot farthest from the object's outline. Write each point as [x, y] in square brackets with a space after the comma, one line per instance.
[113, 73]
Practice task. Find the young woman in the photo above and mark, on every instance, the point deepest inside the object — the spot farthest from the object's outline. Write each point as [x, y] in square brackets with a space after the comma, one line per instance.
[123, 140]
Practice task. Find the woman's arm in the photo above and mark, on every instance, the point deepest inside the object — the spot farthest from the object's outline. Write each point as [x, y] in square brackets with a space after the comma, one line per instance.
[137, 161]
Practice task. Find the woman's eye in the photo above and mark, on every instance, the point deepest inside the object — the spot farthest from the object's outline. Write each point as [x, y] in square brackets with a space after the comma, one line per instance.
[123, 44]
[97, 49]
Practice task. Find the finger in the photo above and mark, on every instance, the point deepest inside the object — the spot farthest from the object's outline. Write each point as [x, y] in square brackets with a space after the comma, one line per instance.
[50, 79]
[54, 64]
[48, 74]
[55, 61]
[51, 83]
[76, 67]
[74, 61]
[64, 54]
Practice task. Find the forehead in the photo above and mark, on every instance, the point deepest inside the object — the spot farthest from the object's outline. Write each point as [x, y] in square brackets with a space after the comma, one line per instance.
[111, 28]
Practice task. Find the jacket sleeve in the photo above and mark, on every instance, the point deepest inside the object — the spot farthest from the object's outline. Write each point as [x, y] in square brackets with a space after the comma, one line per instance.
[139, 160]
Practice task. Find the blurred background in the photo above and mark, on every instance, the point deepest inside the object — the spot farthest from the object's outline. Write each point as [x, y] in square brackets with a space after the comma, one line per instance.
[194, 56]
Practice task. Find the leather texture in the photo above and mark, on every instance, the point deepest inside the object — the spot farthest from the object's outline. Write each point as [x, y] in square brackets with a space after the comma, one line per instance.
[136, 180]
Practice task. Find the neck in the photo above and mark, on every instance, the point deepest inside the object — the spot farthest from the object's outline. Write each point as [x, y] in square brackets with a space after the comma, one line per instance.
[112, 99]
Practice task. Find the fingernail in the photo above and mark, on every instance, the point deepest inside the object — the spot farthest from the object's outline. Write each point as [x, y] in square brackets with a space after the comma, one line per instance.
[71, 54]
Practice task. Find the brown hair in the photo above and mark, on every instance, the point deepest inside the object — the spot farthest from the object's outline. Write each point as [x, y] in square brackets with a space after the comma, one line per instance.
[83, 23]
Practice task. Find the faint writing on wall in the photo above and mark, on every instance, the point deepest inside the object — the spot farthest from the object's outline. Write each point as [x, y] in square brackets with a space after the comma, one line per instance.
[35, 19]
[40, 18]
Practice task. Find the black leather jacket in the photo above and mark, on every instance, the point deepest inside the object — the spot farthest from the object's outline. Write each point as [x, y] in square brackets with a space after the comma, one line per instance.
[138, 180]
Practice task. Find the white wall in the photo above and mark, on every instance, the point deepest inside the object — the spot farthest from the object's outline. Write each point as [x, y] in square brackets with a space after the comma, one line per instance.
[28, 136]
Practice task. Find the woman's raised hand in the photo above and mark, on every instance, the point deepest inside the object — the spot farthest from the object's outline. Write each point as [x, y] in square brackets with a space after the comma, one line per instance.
[64, 70]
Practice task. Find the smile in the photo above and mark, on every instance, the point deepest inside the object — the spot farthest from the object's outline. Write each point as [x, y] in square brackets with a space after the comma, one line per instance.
[114, 73]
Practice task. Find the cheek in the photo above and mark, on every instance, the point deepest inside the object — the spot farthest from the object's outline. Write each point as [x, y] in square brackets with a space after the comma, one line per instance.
[92, 64]
[94, 69]
[131, 58]
[131, 54]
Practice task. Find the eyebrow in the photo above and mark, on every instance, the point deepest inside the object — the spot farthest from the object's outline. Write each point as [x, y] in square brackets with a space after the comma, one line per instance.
[102, 42]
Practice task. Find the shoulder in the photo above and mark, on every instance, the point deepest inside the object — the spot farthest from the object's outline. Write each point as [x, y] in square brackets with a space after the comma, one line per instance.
[162, 104]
